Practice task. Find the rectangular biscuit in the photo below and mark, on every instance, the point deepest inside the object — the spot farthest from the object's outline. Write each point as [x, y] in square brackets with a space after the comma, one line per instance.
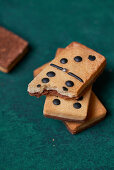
[71, 109]
[75, 68]
[12, 49]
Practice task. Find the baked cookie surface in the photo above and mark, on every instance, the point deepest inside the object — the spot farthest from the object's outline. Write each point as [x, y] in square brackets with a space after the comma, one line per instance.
[74, 68]
[71, 109]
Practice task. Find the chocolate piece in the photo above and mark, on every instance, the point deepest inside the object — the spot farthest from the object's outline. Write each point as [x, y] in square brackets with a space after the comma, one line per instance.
[63, 60]
[12, 49]
[65, 89]
[45, 80]
[39, 85]
[80, 98]
[69, 83]
[91, 57]
[78, 59]
[77, 105]
[73, 75]
[56, 102]
[51, 74]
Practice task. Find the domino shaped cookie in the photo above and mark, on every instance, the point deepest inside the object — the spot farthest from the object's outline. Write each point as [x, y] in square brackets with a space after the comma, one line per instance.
[71, 109]
[96, 112]
[12, 49]
[72, 70]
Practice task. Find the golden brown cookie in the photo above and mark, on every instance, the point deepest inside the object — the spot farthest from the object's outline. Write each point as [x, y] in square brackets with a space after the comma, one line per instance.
[73, 68]
[71, 109]
[12, 49]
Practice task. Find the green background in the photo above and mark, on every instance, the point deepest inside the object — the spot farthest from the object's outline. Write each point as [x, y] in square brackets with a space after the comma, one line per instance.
[26, 137]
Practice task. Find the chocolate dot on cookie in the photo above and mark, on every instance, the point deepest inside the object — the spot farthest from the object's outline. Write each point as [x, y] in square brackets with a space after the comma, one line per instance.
[69, 83]
[45, 80]
[38, 85]
[56, 102]
[77, 105]
[50, 74]
[80, 98]
[63, 60]
[91, 57]
[78, 59]
[65, 89]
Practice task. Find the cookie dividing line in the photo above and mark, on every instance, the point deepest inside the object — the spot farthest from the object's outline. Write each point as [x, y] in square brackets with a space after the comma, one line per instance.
[65, 70]
[73, 75]
[58, 67]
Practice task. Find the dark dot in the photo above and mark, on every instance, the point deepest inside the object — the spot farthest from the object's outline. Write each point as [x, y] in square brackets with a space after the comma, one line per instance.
[77, 105]
[56, 102]
[91, 57]
[45, 80]
[63, 60]
[80, 98]
[78, 59]
[69, 83]
[65, 89]
[50, 74]
[38, 85]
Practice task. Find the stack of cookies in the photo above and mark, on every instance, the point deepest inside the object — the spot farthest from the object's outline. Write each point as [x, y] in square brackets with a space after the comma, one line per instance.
[67, 83]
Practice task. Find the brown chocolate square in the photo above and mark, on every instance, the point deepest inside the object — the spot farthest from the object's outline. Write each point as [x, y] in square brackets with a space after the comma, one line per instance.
[12, 49]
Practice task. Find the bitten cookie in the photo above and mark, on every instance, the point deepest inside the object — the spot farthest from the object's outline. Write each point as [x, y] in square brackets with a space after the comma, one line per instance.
[96, 113]
[73, 68]
[59, 108]
[12, 49]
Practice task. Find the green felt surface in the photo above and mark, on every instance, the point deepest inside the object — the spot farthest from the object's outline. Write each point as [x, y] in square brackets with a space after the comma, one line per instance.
[26, 137]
